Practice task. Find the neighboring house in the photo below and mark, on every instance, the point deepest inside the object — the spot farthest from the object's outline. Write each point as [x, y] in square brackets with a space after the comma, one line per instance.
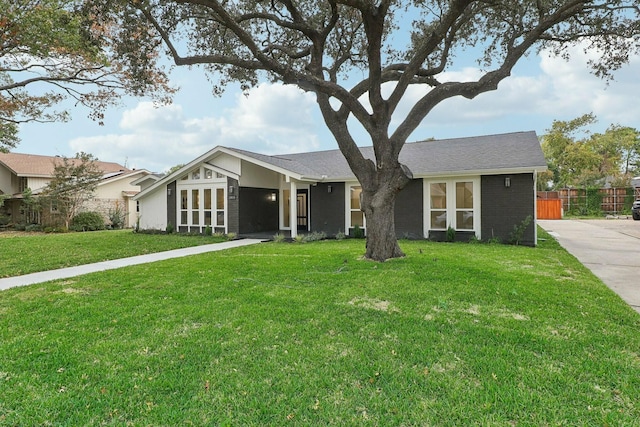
[481, 186]
[21, 171]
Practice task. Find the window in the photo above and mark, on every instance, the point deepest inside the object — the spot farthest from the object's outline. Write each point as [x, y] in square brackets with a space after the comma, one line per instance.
[220, 204]
[195, 174]
[286, 212]
[453, 203]
[438, 201]
[202, 207]
[464, 205]
[207, 206]
[183, 207]
[357, 216]
[22, 184]
[195, 207]
[208, 174]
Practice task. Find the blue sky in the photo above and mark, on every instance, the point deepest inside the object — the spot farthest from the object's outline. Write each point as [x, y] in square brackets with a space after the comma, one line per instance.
[276, 119]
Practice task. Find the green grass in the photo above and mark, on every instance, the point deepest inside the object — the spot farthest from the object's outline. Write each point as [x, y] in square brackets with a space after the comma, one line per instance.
[310, 334]
[33, 252]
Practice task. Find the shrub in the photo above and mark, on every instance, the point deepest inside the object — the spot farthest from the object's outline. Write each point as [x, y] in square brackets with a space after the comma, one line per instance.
[231, 236]
[33, 227]
[340, 235]
[358, 233]
[315, 236]
[451, 234]
[279, 238]
[208, 231]
[518, 231]
[169, 229]
[87, 221]
[116, 217]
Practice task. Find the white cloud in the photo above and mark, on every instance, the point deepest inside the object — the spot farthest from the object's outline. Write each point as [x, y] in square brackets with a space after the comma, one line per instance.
[271, 119]
[540, 90]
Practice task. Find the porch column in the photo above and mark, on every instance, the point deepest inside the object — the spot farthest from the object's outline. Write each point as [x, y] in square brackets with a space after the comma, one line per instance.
[293, 210]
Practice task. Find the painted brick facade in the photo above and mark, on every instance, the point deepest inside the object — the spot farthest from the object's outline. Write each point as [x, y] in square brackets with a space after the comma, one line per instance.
[505, 207]
[327, 207]
[409, 210]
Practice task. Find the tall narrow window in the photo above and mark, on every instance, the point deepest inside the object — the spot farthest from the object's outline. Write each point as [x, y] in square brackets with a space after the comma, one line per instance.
[286, 201]
[438, 201]
[220, 207]
[464, 205]
[184, 206]
[195, 207]
[22, 184]
[207, 206]
[357, 216]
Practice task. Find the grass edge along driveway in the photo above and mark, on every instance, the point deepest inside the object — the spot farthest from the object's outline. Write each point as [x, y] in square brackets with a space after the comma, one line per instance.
[310, 334]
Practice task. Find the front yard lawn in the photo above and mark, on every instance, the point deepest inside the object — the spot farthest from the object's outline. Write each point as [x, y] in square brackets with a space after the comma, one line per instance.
[309, 334]
[23, 253]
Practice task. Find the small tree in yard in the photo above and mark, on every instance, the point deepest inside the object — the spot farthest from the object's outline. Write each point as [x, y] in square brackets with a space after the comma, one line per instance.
[397, 49]
[74, 182]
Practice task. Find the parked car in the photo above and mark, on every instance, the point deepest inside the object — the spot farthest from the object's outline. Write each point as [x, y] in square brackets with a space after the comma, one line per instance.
[635, 210]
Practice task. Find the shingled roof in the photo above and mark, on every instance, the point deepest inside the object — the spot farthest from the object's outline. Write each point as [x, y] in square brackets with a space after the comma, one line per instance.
[478, 154]
[517, 152]
[32, 165]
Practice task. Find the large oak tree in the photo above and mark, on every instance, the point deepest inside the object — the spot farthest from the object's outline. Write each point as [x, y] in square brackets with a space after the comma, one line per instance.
[391, 47]
[51, 51]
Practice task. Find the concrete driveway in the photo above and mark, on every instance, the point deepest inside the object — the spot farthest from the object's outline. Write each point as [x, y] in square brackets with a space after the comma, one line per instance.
[610, 248]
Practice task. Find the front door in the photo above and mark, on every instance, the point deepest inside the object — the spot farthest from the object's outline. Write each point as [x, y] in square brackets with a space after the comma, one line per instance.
[302, 208]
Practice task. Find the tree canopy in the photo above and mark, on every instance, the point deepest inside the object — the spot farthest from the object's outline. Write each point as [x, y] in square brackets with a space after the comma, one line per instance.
[578, 158]
[51, 51]
[361, 58]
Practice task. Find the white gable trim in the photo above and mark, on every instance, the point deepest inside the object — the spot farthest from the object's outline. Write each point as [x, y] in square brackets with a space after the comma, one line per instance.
[203, 159]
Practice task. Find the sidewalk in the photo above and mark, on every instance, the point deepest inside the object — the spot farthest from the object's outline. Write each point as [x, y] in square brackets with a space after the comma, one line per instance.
[64, 273]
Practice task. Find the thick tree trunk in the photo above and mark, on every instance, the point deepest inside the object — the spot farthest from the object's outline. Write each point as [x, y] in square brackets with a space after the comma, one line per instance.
[382, 243]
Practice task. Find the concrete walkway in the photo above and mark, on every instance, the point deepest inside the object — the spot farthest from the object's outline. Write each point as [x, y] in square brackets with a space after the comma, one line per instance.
[609, 248]
[64, 273]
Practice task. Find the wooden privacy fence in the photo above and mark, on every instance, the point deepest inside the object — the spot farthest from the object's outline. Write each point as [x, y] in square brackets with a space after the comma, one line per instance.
[589, 201]
[549, 209]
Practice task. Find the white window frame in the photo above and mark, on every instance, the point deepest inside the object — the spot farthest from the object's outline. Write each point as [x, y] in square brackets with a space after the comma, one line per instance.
[451, 208]
[347, 205]
[216, 182]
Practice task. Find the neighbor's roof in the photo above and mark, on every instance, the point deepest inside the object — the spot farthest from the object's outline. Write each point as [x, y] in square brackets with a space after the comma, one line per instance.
[490, 153]
[32, 165]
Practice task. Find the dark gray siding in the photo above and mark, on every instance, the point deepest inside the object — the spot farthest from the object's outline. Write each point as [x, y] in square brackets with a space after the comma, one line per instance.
[257, 212]
[327, 208]
[233, 206]
[505, 207]
[172, 197]
[409, 211]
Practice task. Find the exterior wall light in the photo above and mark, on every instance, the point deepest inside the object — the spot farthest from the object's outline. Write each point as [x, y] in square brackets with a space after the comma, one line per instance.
[507, 182]
[329, 189]
[272, 197]
[168, 191]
